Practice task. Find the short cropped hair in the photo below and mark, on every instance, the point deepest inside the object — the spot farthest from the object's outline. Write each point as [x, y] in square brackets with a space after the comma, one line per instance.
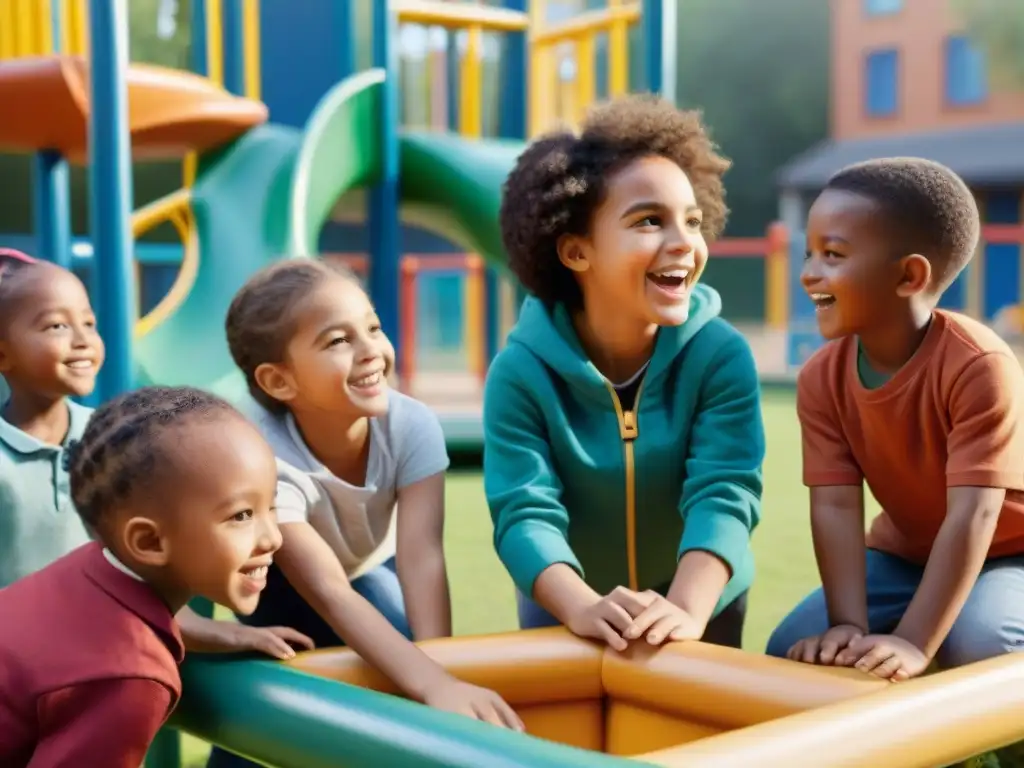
[928, 208]
[559, 180]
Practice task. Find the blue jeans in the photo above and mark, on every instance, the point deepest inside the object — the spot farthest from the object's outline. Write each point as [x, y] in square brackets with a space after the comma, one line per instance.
[991, 622]
[725, 629]
[281, 605]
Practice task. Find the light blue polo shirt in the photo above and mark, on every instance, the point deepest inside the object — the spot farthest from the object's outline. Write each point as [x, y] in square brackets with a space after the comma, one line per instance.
[38, 522]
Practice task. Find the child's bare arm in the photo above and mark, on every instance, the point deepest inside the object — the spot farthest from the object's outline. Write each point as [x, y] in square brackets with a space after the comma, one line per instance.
[956, 560]
[837, 528]
[204, 635]
[420, 558]
[313, 570]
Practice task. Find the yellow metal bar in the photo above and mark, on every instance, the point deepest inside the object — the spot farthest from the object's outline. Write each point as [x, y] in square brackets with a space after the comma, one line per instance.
[215, 42]
[67, 23]
[565, 109]
[618, 52]
[541, 76]
[251, 38]
[475, 287]
[589, 22]
[75, 28]
[470, 90]
[507, 304]
[6, 29]
[174, 208]
[23, 25]
[458, 15]
[44, 29]
[586, 88]
[776, 285]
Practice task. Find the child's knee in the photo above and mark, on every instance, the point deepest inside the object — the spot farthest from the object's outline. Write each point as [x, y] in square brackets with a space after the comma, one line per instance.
[809, 618]
[983, 638]
[781, 640]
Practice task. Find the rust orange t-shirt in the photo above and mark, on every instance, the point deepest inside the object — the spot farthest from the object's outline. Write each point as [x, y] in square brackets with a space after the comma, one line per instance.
[952, 416]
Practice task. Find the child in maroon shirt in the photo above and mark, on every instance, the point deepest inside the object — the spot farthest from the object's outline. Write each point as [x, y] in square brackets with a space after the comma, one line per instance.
[180, 490]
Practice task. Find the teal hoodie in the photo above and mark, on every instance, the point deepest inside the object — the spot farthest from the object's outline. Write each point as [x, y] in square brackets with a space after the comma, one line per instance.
[620, 496]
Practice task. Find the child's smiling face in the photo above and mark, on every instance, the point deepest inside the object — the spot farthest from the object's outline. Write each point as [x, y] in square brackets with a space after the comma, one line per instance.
[850, 270]
[339, 358]
[645, 250]
[49, 344]
[207, 524]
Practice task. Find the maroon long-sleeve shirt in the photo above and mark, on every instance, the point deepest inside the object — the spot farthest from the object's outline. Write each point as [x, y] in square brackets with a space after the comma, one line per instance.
[88, 666]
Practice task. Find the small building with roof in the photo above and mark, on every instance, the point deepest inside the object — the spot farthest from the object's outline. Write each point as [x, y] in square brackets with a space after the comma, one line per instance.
[906, 80]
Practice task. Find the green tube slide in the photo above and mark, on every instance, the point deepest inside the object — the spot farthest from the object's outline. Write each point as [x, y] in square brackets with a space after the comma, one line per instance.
[268, 195]
[288, 719]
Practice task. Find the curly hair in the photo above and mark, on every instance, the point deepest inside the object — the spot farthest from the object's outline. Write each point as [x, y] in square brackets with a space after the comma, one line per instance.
[560, 180]
[929, 208]
[263, 315]
[128, 440]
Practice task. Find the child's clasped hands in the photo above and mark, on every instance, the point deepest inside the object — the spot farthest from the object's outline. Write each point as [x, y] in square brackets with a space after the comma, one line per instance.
[624, 615]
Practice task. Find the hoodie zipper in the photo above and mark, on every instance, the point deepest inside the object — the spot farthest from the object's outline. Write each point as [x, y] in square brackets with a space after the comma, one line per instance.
[629, 431]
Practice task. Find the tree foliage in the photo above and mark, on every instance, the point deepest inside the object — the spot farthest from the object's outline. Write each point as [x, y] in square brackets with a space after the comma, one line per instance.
[760, 72]
[997, 26]
[149, 21]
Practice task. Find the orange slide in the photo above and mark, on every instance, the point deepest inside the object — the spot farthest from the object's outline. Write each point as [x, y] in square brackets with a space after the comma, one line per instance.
[170, 112]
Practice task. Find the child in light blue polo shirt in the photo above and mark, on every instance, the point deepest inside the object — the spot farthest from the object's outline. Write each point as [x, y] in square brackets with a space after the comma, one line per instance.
[49, 351]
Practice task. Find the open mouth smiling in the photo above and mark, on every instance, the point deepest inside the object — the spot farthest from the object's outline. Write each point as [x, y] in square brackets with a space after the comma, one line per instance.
[822, 301]
[671, 281]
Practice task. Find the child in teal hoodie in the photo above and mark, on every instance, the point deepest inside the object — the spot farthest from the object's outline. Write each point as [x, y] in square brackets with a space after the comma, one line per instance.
[623, 438]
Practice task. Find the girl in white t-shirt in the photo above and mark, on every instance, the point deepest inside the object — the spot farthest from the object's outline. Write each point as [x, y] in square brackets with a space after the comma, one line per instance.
[353, 569]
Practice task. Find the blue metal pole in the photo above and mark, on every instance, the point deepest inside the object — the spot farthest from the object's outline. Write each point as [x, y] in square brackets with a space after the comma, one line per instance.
[346, 37]
[512, 125]
[234, 46]
[52, 207]
[451, 70]
[198, 45]
[51, 185]
[383, 199]
[110, 190]
[660, 31]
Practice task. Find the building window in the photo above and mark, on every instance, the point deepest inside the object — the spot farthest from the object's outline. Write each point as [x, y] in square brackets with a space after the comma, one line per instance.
[966, 72]
[881, 83]
[882, 7]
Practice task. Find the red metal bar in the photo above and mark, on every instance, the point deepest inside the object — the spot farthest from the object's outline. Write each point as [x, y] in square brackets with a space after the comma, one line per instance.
[1003, 234]
[740, 247]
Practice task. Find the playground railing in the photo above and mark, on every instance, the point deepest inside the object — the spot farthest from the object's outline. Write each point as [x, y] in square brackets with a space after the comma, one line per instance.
[774, 248]
[475, 20]
[581, 32]
[174, 209]
[412, 267]
[27, 28]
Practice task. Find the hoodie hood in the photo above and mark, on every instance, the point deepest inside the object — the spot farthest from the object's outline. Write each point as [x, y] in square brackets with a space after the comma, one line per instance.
[549, 335]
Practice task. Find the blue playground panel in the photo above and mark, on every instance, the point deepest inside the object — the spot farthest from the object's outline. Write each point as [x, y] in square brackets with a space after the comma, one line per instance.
[803, 338]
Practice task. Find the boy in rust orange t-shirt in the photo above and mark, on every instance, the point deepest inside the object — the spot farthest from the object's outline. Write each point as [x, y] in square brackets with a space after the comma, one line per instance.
[927, 407]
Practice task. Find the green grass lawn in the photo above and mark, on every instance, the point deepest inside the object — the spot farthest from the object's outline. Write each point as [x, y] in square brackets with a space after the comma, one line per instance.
[482, 592]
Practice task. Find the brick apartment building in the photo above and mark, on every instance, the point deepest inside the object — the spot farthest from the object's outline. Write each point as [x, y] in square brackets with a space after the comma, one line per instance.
[907, 81]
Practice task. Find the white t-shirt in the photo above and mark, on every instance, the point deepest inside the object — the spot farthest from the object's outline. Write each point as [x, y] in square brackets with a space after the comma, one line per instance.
[358, 522]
